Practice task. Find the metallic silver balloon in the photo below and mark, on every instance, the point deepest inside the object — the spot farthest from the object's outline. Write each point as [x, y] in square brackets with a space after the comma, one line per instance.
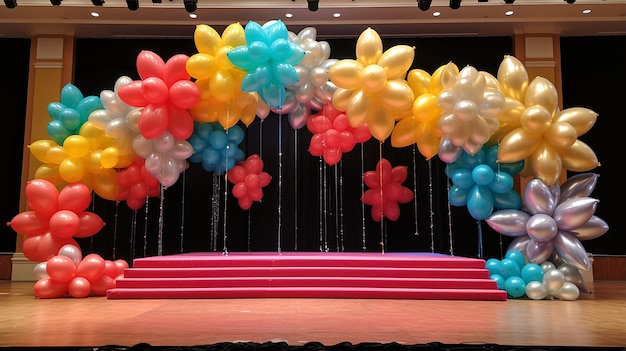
[553, 280]
[569, 291]
[538, 251]
[519, 243]
[547, 265]
[299, 117]
[40, 271]
[448, 152]
[579, 185]
[536, 290]
[571, 251]
[593, 228]
[508, 222]
[541, 227]
[573, 275]
[538, 197]
[572, 213]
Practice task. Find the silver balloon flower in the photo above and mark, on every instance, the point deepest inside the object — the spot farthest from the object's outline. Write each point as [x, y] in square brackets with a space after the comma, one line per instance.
[554, 221]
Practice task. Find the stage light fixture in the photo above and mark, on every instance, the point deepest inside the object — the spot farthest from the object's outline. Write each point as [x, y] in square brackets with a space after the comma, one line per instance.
[509, 1]
[55, 2]
[97, 2]
[191, 5]
[570, 1]
[132, 5]
[424, 5]
[10, 4]
[455, 4]
[313, 5]
[156, 1]
[483, 0]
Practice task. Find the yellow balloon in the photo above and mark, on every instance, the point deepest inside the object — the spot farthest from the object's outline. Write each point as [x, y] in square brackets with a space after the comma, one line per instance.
[513, 78]
[369, 47]
[492, 82]
[397, 60]
[72, 170]
[425, 107]
[222, 86]
[76, 146]
[542, 92]
[380, 125]
[204, 111]
[109, 157]
[517, 145]
[248, 114]
[579, 158]
[580, 118]
[536, 119]
[93, 162]
[360, 108]
[546, 164]
[396, 96]
[341, 98]
[560, 135]
[419, 81]
[93, 135]
[49, 172]
[125, 160]
[234, 35]
[39, 149]
[207, 39]
[403, 133]
[201, 66]
[346, 74]
[228, 114]
[104, 184]
[428, 137]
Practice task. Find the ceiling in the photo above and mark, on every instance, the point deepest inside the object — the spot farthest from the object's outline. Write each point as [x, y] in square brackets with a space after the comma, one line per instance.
[389, 18]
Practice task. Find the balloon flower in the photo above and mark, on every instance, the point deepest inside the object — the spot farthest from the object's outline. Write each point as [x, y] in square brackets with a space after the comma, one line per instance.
[385, 191]
[70, 113]
[268, 58]
[68, 273]
[54, 218]
[135, 184]
[481, 184]
[372, 89]
[333, 136]
[165, 93]
[165, 156]
[539, 133]
[219, 81]
[249, 180]
[554, 222]
[215, 148]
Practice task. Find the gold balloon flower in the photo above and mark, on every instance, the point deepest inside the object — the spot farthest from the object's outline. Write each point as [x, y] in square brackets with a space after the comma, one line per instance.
[537, 132]
[372, 89]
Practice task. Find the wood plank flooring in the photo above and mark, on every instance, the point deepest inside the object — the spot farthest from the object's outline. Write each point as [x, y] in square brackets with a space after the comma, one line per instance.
[596, 319]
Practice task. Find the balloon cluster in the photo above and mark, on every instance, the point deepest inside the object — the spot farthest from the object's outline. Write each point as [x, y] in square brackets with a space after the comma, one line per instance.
[482, 184]
[554, 221]
[136, 184]
[386, 191]
[249, 180]
[54, 218]
[332, 134]
[69, 273]
[70, 113]
[215, 148]
[520, 278]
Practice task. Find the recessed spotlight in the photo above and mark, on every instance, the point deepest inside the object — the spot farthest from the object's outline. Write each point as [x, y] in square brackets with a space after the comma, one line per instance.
[586, 11]
[289, 15]
[509, 13]
[95, 14]
[436, 13]
[193, 15]
[336, 15]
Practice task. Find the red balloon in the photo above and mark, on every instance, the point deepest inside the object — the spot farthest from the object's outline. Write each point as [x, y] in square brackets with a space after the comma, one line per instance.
[347, 141]
[121, 266]
[237, 174]
[90, 224]
[362, 134]
[100, 286]
[40, 248]
[149, 64]
[184, 94]
[391, 210]
[265, 179]
[75, 197]
[341, 122]
[154, 90]
[180, 122]
[79, 287]
[332, 138]
[399, 174]
[371, 179]
[316, 146]
[61, 268]
[332, 155]
[240, 190]
[91, 267]
[253, 164]
[132, 95]
[64, 224]
[153, 120]
[176, 69]
[252, 181]
[30, 223]
[49, 289]
[42, 196]
[244, 202]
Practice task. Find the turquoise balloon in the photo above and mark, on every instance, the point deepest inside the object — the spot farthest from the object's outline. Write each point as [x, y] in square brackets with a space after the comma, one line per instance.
[240, 57]
[280, 49]
[259, 52]
[235, 134]
[509, 268]
[516, 256]
[297, 54]
[54, 109]
[70, 118]
[499, 280]
[493, 266]
[501, 183]
[275, 30]
[515, 287]
[480, 202]
[286, 74]
[532, 272]
[204, 130]
[218, 140]
[71, 95]
[457, 196]
[57, 132]
[87, 105]
[254, 32]
[483, 174]
[508, 200]
[462, 178]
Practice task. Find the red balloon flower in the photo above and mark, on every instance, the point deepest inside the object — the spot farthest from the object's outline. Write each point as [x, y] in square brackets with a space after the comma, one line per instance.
[135, 184]
[166, 92]
[332, 134]
[54, 218]
[249, 179]
[386, 191]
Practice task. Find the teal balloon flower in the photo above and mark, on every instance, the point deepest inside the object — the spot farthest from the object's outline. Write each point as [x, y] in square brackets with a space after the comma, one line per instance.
[482, 184]
[215, 148]
[268, 58]
[70, 113]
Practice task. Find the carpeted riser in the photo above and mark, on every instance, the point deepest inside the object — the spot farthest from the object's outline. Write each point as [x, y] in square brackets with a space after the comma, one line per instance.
[308, 275]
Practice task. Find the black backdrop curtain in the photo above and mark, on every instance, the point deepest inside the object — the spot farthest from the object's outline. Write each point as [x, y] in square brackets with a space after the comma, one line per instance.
[309, 206]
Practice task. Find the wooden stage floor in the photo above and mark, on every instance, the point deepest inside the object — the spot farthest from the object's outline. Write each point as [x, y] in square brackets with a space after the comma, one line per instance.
[597, 319]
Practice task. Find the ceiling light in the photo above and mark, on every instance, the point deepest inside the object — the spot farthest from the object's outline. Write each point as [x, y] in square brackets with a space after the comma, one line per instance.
[336, 15]
[133, 5]
[193, 15]
[313, 4]
[10, 4]
[191, 5]
[509, 13]
[455, 4]
[97, 2]
[95, 14]
[424, 5]
[436, 14]
[586, 11]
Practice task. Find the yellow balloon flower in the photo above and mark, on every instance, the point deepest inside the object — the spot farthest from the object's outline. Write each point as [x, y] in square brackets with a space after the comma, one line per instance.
[372, 89]
[219, 81]
[536, 131]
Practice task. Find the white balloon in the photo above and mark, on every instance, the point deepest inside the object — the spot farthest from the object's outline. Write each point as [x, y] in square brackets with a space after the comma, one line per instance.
[553, 280]
[73, 252]
[569, 291]
[536, 290]
[40, 271]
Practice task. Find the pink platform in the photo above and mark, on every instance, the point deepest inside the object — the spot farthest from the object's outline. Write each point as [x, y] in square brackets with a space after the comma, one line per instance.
[307, 275]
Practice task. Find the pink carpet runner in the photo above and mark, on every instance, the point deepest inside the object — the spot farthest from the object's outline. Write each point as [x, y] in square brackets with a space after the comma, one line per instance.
[307, 275]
